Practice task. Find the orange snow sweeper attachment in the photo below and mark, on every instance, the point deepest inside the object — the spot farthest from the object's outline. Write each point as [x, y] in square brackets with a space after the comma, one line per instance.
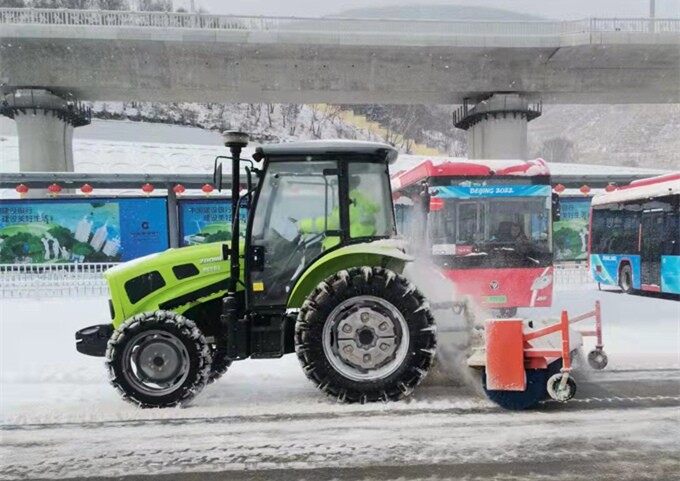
[524, 365]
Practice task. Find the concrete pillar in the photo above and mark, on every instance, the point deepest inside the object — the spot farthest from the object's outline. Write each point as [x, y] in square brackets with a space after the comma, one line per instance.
[45, 124]
[497, 126]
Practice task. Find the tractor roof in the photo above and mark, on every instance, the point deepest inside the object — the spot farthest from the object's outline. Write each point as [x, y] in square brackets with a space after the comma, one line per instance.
[321, 147]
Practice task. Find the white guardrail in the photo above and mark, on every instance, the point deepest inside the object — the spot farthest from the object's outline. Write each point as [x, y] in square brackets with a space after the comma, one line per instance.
[52, 280]
[86, 280]
[104, 18]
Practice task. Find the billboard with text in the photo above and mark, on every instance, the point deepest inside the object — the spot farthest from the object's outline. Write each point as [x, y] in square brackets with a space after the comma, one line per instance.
[82, 229]
[570, 233]
[206, 220]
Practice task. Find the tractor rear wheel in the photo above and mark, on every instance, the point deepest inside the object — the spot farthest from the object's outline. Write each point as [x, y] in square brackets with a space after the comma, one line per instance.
[365, 334]
[158, 359]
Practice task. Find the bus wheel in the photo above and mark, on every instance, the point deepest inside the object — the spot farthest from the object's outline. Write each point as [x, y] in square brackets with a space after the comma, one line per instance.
[626, 278]
[507, 312]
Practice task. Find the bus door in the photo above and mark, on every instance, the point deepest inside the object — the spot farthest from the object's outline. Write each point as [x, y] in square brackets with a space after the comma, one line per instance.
[652, 237]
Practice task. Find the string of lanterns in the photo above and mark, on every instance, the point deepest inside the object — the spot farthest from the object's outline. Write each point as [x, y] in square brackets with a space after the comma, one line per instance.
[55, 189]
[584, 189]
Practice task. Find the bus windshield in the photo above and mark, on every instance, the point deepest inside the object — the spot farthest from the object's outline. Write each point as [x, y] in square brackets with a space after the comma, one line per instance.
[505, 232]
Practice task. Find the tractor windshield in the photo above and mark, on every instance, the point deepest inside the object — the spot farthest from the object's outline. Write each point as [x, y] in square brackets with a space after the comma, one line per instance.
[370, 210]
[299, 215]
[296, 217]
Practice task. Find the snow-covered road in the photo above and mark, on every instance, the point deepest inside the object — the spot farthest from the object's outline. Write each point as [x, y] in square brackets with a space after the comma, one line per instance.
[60, 418]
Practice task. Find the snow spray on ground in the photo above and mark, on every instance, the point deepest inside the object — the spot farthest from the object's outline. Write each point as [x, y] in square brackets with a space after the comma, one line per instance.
[457, 331]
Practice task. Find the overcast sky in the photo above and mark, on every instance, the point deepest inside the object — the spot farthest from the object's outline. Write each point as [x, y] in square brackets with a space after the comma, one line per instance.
[559, 9]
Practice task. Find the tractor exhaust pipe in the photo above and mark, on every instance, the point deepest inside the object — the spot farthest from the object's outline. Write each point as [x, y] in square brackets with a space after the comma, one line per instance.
[236, 141]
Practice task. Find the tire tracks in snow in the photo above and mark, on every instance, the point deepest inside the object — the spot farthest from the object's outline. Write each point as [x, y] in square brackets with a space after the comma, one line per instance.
[597, 390]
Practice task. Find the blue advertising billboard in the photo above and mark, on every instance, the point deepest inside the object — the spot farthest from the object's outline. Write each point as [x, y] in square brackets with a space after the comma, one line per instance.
[82, 229]
[570, 233]
[207, 220]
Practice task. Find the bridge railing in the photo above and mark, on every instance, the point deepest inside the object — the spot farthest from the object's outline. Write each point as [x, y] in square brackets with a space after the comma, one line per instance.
[635, 25]
[103, 18]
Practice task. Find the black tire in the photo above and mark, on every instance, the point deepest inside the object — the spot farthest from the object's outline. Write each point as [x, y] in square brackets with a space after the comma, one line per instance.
[626, 278]
[390, 288]
[181, 335]
[553, 383]
[507, 312]
[597, 359]
[220, 364]
[521, 400]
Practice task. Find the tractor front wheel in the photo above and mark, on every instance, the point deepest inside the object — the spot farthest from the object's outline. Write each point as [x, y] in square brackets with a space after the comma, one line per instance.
[220, 364]
[365, 334]
[158, 359]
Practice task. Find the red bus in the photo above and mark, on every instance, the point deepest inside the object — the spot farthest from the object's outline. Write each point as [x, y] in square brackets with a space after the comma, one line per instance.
[486, 224]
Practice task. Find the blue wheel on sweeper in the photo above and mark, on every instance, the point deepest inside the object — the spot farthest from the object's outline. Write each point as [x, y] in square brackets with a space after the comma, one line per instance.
[520, 400]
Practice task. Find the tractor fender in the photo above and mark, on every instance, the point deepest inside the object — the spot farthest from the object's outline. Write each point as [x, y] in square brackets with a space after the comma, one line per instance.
[387, 253]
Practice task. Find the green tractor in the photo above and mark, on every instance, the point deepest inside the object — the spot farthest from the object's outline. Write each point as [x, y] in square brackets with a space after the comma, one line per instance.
[317, 273]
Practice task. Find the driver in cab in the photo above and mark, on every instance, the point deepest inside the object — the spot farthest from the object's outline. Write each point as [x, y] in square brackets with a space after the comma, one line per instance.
[362, 217]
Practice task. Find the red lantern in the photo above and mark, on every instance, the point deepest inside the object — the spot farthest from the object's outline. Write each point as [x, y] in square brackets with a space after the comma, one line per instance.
[610, 188]
[559, 188]
[147, 188]
[54, 189]
[179, 189]
[585, 190]
[207, 188]
[21, 189]
[86, 189]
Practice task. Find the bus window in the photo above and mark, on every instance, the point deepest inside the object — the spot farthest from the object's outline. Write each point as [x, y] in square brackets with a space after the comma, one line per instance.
[468, 222]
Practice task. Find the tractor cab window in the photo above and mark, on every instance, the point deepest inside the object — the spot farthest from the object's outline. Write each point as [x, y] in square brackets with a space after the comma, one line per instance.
[296, 218]
[370, 208]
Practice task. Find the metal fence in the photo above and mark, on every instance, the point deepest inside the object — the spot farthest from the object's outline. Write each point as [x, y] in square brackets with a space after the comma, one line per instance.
[86, 280]
[568, 276]
[103, 18]
[52, 280]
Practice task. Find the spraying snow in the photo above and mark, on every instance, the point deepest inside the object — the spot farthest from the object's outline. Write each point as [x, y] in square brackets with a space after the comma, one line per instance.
[458, 322]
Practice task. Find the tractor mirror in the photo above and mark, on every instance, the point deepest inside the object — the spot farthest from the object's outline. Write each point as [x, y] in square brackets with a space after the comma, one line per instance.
[218, 177]
[425, 197]
[217, 171]
[556, 209]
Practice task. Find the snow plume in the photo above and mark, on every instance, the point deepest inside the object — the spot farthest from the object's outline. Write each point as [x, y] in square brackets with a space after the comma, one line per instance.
[459, 325]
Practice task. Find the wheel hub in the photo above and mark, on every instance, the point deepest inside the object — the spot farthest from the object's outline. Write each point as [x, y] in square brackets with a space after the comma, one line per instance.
[157, 362]
[366, 337]
[160, 360]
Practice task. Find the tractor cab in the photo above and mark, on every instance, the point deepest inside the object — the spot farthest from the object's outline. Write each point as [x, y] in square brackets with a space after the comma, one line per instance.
[312, 199]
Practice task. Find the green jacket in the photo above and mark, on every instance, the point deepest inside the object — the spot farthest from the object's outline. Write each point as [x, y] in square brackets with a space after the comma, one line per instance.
[362, 220]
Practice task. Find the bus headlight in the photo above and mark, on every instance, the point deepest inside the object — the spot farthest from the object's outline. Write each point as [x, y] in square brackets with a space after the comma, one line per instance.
[541, 282]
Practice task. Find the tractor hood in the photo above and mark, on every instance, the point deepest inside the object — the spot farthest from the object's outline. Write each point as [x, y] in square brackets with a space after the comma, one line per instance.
[175, 277]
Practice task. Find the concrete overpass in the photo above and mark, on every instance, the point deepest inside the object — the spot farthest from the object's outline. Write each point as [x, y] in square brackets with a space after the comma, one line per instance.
[171, 57]
[154, 56]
